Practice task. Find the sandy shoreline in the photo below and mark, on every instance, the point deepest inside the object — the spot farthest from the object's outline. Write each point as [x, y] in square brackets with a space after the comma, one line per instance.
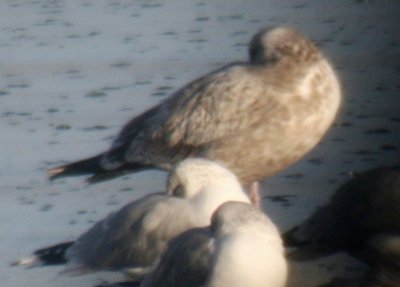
[73, 73]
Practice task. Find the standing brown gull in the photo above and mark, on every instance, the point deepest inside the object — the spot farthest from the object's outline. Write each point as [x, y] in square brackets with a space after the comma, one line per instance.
[241, 247]
[134, 237]
[257, 117]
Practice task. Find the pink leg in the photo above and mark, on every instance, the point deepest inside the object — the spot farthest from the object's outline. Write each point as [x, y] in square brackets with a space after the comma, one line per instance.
[254, 194]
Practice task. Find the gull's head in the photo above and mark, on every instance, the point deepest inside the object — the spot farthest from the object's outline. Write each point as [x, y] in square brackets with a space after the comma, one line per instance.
[205, 185]
[194, 175]
[271, 45]
[233, 215]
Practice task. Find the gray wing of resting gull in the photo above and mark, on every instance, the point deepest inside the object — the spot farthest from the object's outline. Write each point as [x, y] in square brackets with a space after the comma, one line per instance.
[133, 238]
[363, 208]
[257, 117]
[186, 261]
[188, 253]
[242, 247]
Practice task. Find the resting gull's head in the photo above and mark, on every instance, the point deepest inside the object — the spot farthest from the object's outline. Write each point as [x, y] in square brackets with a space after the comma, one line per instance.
[248, 248]
[205, 184]
[192, 176]
[271, 45]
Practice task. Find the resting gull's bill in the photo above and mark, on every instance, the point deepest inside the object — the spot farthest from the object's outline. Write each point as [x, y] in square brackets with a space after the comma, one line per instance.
[133, 238]
[241, 247]
[363, 219]
[257, 117]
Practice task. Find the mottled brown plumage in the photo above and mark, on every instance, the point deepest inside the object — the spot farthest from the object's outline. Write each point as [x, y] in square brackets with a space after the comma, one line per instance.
[257, 117]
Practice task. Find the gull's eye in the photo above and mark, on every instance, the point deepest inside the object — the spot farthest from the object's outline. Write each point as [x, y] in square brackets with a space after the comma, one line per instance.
[178, 191]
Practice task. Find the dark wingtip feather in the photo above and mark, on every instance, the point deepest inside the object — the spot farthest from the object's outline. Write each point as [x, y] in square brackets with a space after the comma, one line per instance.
[91, 166]
[82, 167]
[104, 175]
[53, 255]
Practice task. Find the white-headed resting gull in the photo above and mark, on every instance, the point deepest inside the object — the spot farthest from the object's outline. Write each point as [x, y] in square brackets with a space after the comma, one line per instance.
[363, 219]
[241, 247]
[133, 238]
[257, 117]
